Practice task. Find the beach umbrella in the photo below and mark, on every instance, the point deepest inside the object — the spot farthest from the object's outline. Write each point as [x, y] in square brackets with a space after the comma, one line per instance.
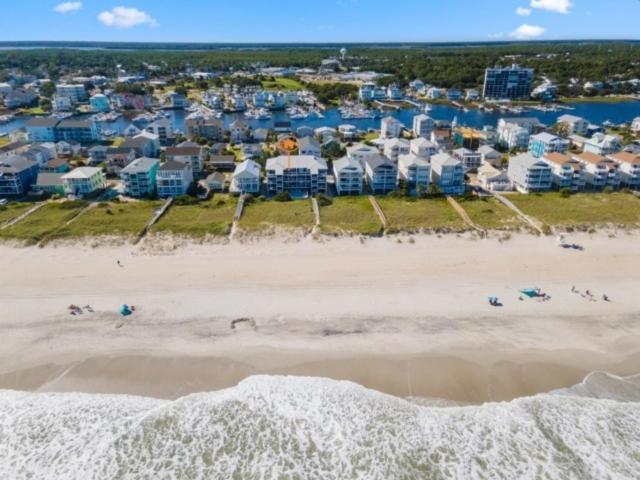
[125, 310]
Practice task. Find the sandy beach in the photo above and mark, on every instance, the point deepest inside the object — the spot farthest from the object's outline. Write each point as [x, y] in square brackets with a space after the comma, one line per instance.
[404, 315]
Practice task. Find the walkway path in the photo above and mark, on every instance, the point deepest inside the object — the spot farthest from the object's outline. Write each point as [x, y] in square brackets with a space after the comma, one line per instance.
[316, 215]
[533, 222]
[237, 216]
[24, 215]
[379, 211]
[154, 219]
[463, 214]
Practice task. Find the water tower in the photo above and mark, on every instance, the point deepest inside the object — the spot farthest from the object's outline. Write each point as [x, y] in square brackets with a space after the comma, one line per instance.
[343, 53]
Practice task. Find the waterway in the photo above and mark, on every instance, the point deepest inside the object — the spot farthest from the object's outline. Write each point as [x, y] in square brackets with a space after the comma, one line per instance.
[596, 113]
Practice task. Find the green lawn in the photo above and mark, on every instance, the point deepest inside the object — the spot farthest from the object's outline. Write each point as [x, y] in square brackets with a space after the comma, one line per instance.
[42, 222]
[413, 215]
[262, 215]
[581, 210]
[13, 210]
[105, 219]
[489, 213]
[212, 217]
[371, 136]
[349, 215]
[282, 83]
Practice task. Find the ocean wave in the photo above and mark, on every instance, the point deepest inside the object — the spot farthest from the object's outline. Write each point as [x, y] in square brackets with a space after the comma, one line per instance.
[292, 427]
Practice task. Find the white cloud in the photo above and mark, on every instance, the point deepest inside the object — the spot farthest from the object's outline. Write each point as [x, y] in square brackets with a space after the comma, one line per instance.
[125, 17]
[527, 32]
[67, 7]
[523, 12]
[559, 6]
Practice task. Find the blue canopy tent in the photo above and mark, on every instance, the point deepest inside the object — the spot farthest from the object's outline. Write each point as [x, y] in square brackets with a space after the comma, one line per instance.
[530, 292]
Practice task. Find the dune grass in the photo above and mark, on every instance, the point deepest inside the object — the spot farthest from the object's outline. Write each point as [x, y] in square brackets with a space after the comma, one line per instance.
[263, 215]
[490, 214]
[212, 217]
[414, 215]
[350, 215]
[107, 219]
[42, 222]
[13, 210]
[582, 209]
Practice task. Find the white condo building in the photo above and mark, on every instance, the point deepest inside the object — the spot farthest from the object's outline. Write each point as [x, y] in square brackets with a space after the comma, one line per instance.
[390, 127]
[423, 126]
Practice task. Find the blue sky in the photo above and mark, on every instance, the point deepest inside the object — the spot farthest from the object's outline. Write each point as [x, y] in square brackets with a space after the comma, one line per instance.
[319, 20]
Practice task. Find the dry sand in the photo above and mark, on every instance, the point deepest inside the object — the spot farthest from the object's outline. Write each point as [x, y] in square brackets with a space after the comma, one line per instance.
[410, 318]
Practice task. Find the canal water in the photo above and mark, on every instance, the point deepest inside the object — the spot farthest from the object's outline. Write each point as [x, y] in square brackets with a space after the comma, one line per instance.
[596, 113]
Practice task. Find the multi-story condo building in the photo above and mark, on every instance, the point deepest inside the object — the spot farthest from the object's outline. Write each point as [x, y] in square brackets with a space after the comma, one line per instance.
[173, 179]
[394, 92]
[566, 172]
[600, 172]
[414, 171]
[193, 155]
[62, 104]
[470, 159]
[602, 144]
[17, 175]
[370, 92]
[381, 174]
[574, 125]
[162, 128]
[349, 175]
[629, 167]
[361, 151]
[390, 128]
[529, 174]
[209, 128]
[139, 177]
[83, 181]
[507, 83]
[299, 175]
[81, 131]
[423, 125]
[395, 147]
[532, 124]
[75, 92]
[423, 148]
[544, 143]
[99, 103]
[448, 173]
[246, 178]
[42, 129]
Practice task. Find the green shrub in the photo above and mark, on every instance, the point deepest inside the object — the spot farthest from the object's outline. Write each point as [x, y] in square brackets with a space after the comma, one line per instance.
[323, 200]
[282, 197]
[608, 189]
[185, 200]
[565, 192]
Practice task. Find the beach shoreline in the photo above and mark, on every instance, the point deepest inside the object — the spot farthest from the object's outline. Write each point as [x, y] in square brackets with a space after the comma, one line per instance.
[405, 315]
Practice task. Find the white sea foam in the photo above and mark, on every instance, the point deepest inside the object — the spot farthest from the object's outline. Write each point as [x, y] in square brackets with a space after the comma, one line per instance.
[291, 427]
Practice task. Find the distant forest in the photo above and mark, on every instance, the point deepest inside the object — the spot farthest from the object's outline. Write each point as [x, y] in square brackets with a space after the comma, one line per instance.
[446, 65]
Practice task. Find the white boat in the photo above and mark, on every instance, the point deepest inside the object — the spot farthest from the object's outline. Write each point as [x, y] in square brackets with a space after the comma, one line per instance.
[263, 114]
